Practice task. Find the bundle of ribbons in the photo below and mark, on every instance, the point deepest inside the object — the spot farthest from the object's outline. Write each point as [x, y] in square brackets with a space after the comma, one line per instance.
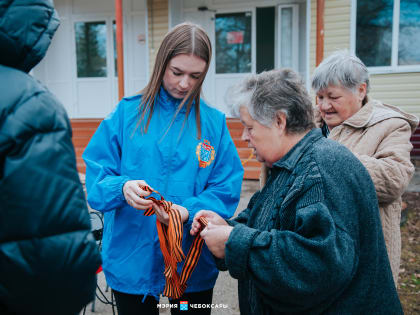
[170, 239]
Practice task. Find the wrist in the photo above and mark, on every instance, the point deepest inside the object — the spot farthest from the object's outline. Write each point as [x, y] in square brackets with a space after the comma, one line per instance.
[185, 215]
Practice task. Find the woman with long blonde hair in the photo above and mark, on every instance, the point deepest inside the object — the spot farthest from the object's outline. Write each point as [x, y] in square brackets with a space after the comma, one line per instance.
[170, 140]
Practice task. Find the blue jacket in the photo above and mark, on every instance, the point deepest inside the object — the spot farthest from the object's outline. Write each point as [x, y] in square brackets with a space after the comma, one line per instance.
[311, 242]
[118, 152]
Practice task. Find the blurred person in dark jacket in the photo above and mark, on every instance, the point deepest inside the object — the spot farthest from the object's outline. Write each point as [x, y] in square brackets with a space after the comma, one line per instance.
[48, 256]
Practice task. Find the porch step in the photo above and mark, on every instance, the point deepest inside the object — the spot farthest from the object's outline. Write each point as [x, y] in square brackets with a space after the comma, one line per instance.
[83, 130]
[252, 167]
[252, 172]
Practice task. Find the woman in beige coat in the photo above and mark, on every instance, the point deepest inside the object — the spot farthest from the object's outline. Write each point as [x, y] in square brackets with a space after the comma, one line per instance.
[378, 134]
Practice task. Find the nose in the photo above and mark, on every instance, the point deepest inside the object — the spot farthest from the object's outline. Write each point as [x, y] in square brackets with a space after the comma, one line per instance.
[323, 104]
[185, 82]
[245, 135]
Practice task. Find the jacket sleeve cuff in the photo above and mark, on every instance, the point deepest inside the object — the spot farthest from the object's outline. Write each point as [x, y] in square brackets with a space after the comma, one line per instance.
[123, 180]
[237, 250]
[220, 264]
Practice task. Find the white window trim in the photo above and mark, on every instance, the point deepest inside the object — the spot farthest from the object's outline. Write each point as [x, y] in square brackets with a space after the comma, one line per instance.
[394, 67]
[308, 44]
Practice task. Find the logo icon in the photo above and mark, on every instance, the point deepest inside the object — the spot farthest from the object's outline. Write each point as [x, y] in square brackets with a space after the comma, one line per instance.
[183, 305]
[205, 153]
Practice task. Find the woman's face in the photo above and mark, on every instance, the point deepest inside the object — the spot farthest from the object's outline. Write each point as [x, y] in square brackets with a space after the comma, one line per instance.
[182, 73]
[267, 142]
[337, 103]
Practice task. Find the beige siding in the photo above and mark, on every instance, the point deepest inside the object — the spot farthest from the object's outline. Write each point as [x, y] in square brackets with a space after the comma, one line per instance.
[400, 89]
[157, 27]
[336, 27]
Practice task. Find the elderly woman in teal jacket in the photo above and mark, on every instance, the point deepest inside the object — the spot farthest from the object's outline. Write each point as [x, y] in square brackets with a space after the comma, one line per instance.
[171, 140]
[310, 241]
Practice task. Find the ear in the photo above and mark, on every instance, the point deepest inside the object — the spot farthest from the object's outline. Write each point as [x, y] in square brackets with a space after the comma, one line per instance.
[280, 121]
[362, 91]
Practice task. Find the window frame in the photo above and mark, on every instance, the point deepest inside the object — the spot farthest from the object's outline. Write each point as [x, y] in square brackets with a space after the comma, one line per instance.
[394, 67]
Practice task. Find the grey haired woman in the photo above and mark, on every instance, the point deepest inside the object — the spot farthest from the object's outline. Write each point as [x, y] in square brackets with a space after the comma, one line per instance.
[310, 241]
[378, 134]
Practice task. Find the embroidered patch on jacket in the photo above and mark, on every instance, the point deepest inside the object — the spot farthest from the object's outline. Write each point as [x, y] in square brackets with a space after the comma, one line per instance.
[205, 153]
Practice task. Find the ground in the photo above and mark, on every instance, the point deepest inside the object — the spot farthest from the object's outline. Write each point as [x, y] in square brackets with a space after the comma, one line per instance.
[409, 279]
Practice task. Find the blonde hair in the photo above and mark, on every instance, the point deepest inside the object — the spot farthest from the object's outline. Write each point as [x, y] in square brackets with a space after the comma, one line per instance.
[184, 38]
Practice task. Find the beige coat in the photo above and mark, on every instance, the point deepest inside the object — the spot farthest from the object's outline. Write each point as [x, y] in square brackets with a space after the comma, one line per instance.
[379, 136]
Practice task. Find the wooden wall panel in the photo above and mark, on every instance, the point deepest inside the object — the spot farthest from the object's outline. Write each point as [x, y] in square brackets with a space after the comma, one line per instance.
[83, 130]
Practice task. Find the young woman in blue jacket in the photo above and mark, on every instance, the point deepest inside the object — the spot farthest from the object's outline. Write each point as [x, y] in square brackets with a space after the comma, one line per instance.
[170, 140]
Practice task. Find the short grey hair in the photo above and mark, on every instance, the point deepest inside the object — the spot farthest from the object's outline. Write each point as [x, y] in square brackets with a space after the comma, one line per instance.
[340, 69]
[269, 92]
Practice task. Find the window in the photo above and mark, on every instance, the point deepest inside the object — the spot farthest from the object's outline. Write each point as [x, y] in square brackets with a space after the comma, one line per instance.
[387, 33]
[233, 42]
[91, 49]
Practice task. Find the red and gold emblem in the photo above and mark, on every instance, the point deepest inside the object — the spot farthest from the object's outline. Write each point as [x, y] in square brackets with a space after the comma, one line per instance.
[205, 153]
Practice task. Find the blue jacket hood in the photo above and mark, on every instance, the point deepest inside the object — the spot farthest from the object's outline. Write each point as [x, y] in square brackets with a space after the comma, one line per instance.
[26, 30]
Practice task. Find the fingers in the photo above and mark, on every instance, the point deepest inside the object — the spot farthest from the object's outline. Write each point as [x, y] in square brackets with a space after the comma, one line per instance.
[139, 191]
[133, 194]
[196, 225]
[206, 230]
[202, 213]
[211, 216]
[139, 203]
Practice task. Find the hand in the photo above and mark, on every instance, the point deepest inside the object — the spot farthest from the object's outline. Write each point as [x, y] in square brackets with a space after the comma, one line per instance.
[211, 216]
[216, 237]
[133, 193]
[163, 217]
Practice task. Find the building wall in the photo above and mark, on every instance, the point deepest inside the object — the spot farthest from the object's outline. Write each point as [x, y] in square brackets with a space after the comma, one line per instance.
[400, 89]
[337, 16]
[157, 11]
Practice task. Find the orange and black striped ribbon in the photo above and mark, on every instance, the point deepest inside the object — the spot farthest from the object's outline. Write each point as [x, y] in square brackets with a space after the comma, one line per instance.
[170, 239]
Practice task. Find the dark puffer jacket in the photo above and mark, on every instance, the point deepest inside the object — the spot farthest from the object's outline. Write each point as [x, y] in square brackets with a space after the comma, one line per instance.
[48, 256]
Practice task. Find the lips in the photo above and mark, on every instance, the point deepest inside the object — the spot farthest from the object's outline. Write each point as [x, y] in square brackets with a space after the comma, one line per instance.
[178, 94]
[182, 93]
[329, 114]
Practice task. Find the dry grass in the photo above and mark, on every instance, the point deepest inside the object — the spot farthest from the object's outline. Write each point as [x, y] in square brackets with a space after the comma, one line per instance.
[409, 278]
